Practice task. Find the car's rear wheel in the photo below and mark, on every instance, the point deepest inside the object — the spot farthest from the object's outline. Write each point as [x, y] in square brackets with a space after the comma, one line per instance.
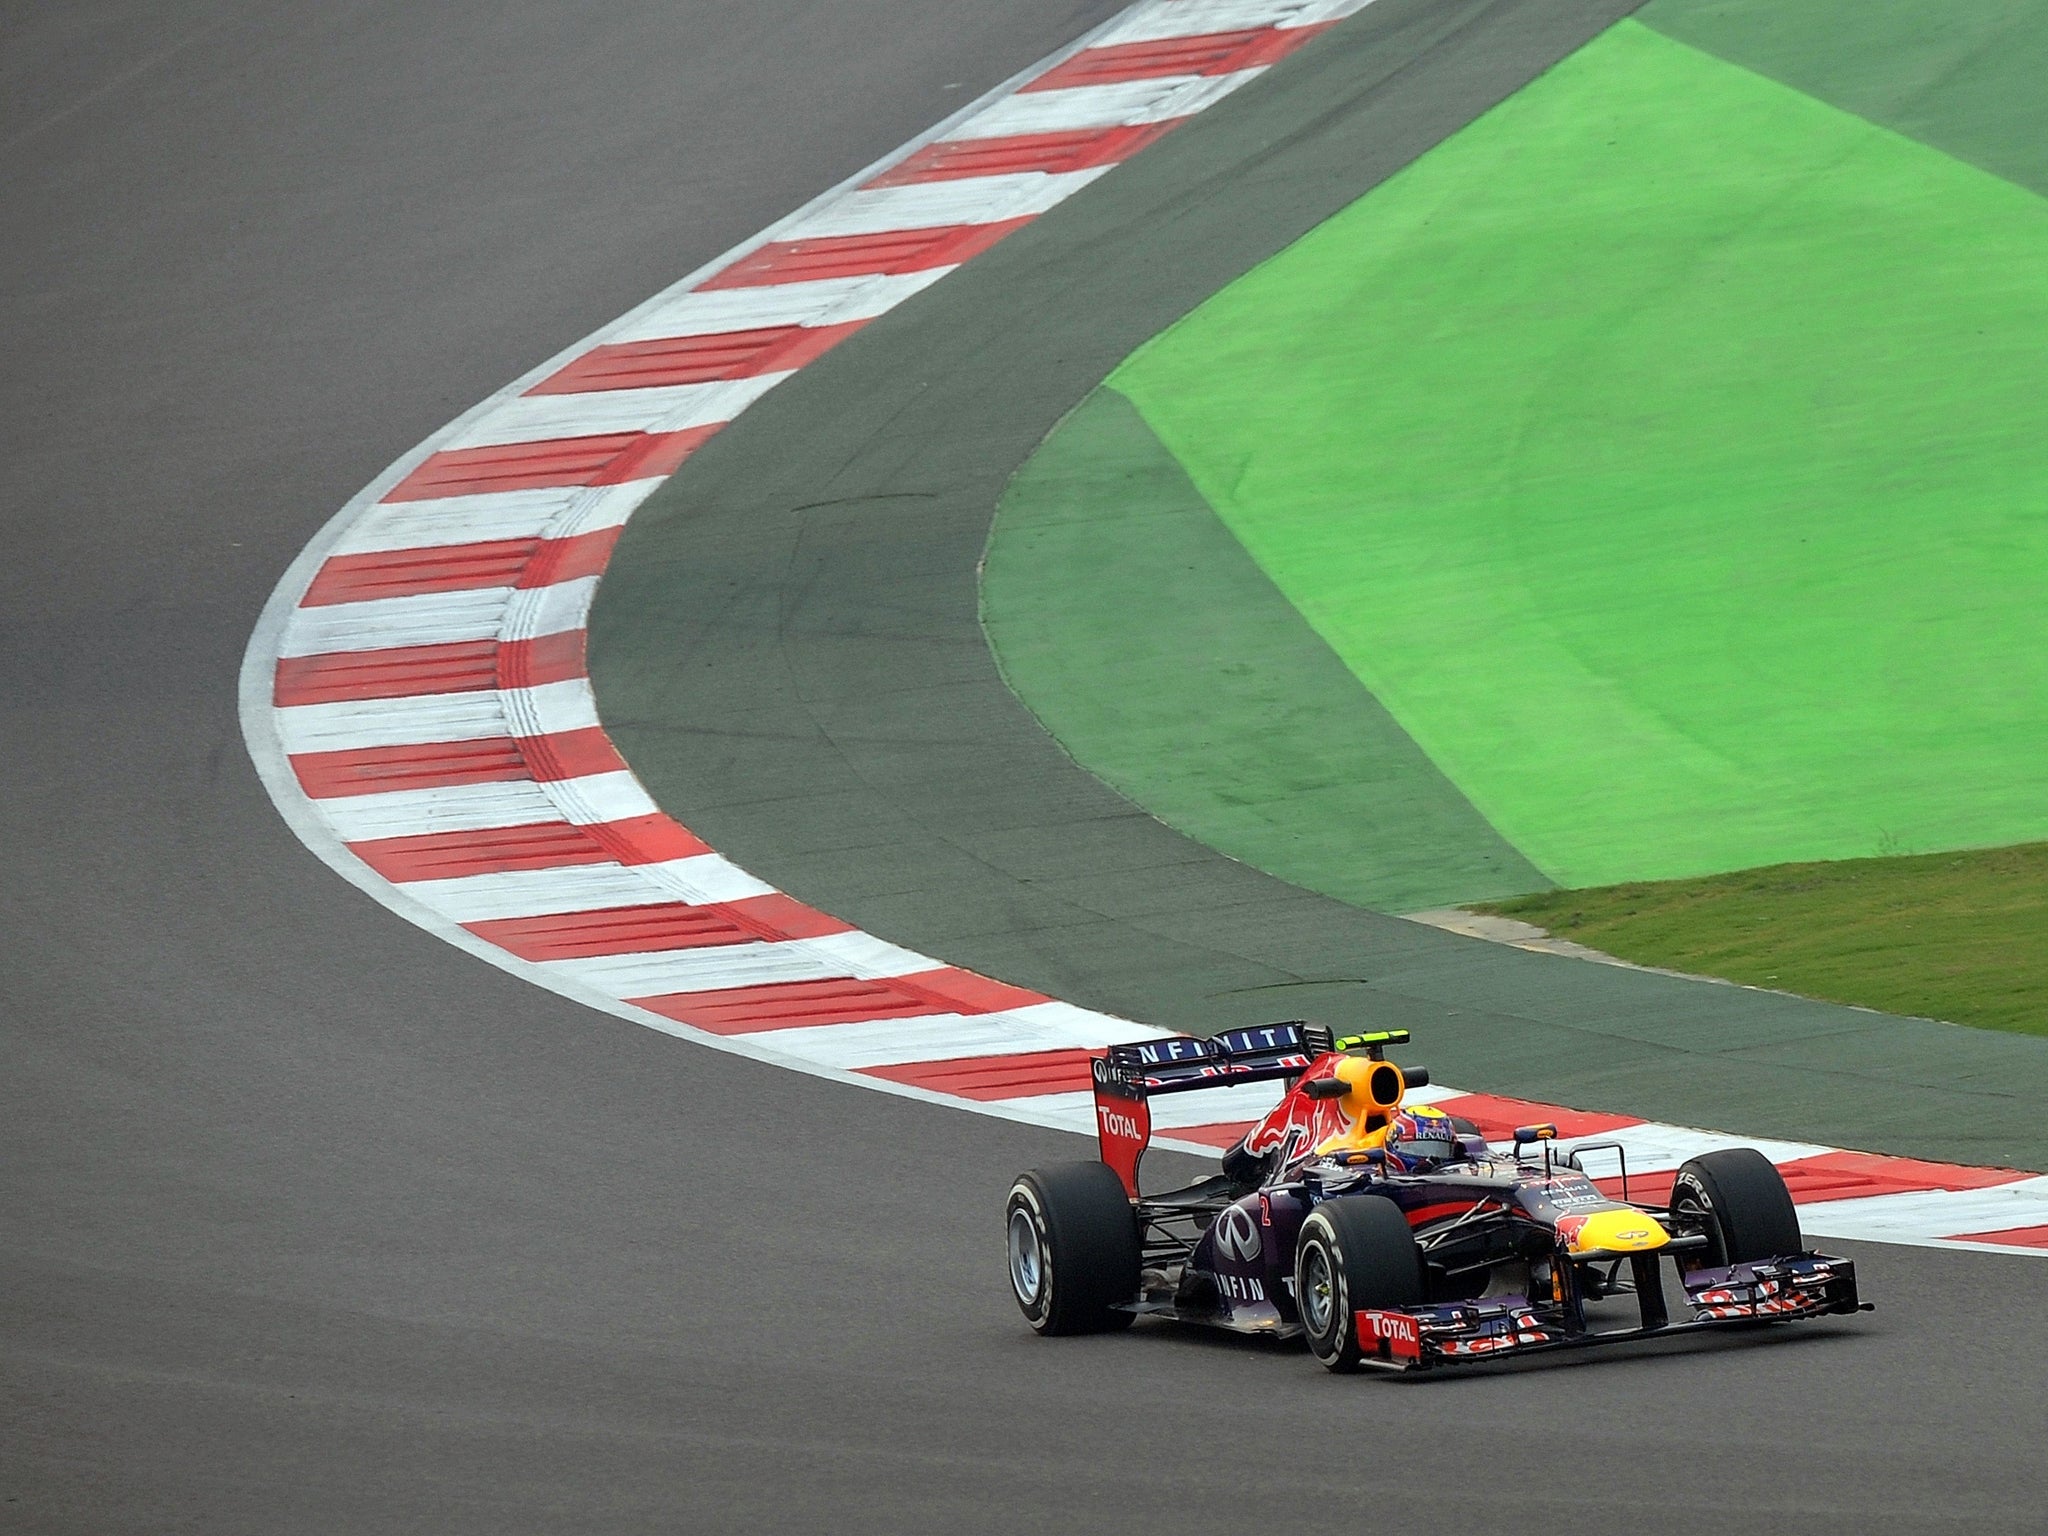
[1742, 1205]
[1355, 1254]
[1072, 1243]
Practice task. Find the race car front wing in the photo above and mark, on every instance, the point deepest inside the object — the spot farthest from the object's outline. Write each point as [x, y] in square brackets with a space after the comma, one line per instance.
[1771, 1290]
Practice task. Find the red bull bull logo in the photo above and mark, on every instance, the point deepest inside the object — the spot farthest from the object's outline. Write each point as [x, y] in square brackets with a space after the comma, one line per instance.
[1299, 1119]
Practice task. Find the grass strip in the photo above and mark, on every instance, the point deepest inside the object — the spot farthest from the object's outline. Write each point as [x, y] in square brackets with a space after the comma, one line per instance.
[1955, 936]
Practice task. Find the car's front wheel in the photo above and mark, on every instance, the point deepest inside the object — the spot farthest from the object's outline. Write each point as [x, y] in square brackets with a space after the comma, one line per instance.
[1355, 1254]
[1739, 1200]
[1072, 1242]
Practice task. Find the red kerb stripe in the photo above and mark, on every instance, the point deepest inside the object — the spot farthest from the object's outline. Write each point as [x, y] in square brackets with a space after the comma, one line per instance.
[462, 666]
[1223, 1134]
[614, 931]
[1077, 149]
[543, 845]
[411, 572]
[547, 659]
[608, 459]
[797, 1004]
[440, 764]
[656, 927]
[696, 359]
[460, 567]
[1212, 53]
[559, 560]
[571, 754]
[447, 855]
[414, 671]
[2011, 1237]
[649, 839]
[1853, 1175]
[428, 765]
[896, 250]
[996, 1077]
[1839, 1176]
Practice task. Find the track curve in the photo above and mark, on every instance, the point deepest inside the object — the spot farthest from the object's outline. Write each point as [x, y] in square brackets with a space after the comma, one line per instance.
[415, 695]
[315, 1222]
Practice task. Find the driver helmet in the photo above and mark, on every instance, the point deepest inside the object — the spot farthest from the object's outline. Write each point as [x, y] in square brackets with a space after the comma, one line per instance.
[1421, 1137]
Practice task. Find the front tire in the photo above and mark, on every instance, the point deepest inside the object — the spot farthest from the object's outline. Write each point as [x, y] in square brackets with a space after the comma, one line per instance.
[1740, 1201]
[1355, 1253]
[1072, 1242]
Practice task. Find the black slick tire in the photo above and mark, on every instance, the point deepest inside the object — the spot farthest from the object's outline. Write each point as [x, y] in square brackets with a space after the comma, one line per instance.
[1356, 1253]
[1740, 1201]
[1071, 1238]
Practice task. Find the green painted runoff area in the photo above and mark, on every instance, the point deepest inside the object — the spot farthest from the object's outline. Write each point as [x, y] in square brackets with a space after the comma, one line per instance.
[1666, 452]
[1958, 936]
[1162, 657]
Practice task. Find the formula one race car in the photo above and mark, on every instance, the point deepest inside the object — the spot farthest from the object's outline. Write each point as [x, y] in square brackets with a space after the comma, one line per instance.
[1388, 1234]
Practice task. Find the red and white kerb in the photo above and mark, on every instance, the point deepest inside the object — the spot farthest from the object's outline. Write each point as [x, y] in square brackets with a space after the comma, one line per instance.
[417, 700]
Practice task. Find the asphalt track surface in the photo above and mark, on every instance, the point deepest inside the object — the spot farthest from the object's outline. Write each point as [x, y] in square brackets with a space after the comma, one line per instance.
[309, 1222]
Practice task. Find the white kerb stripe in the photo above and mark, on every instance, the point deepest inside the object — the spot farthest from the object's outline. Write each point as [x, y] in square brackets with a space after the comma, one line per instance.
[595, 413]
[862, 954]
[1126, 104]
[726, 965]
[551, 708]
[1208, 1106]
[1195, 18]
[424, 719]
[828, 301]
[356, 725]
[557, 513]
[457, 808]
[937, 204]
[1171, 1112]
[1931, 1213]
[596, 798]
[705, 878]
[946, 1037]
[554, 609]
[1098, 1028]
[1434, 1094]
[698, 880]
[389, 623]
[588, 801]
[839, 956]
[599, 507]
[395, 525]
[1063, 1111]
[1654, 1148]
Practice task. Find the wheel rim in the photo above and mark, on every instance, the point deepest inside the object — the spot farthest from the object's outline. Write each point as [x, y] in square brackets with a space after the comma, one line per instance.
[1318, 1291]
[1027, 1257]
[1687, 1208]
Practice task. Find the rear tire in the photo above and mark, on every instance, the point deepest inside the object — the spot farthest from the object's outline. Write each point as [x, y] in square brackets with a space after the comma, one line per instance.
[1355, 1253]
[1740, 1201]
[1072, 1241]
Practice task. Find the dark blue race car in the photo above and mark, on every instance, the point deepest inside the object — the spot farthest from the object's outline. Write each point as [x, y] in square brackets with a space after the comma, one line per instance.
[1390, 1234]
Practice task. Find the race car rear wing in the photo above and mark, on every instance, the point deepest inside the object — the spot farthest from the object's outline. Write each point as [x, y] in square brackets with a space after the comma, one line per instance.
[1131, 1075]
